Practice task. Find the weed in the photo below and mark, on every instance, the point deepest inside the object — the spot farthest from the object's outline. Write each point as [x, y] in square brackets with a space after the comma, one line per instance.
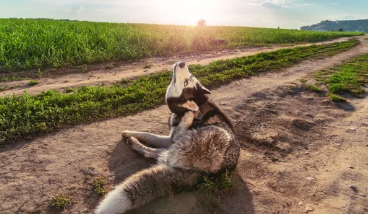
[60, 201]
[33, 82]
[350, 77]
[313, 88]
[98, 185]
[39, 73]
[212, 187]
[11, 78]
[69, 90]
[303, 80]
[125, 81]
[336, 98]
[84, 68]
[147, 66]
[110, 66]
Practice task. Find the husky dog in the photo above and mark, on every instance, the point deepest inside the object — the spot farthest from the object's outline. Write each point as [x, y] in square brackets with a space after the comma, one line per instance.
[201, 141]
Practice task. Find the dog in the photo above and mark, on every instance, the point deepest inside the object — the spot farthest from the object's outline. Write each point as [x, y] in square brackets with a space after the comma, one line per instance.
[201, 141]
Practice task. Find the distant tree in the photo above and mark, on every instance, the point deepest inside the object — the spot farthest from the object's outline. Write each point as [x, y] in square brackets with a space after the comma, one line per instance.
[340, 29]
[201, 22]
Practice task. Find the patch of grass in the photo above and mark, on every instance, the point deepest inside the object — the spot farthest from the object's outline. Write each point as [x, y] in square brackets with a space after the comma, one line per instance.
[212, 187]
[125, 81]
[11, 78]
[33, 82]
[24, 116]
[69, 90]
[110, 66]
[350, 77]
[218, 183]
[303, 80]
[60, 201]
[147, 66]
[313, 88]
[98, 185]
[336, 98]
[84, 68]
[38, 44]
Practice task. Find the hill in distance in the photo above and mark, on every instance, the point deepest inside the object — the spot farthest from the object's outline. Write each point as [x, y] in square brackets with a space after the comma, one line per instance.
[346, 25]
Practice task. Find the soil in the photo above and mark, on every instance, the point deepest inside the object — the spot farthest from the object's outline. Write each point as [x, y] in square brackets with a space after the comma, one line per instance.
[109, 73]
[300, 153]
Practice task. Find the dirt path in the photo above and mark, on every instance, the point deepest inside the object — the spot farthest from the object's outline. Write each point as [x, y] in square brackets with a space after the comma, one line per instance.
[100, 74]
[297, 148]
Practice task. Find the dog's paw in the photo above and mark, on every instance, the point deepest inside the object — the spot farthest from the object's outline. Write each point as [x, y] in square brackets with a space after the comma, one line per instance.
[125, 134]
[130, 141]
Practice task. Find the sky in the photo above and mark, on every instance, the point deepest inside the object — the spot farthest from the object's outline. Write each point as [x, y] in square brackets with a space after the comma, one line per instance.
[291, 14]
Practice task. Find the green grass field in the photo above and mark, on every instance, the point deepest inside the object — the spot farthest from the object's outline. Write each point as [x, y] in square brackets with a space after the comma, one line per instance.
[23, 116]
[350, 77]
[40, 44]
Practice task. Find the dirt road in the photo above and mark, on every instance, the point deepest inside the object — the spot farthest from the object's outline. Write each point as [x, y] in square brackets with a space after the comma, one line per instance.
[300, 152]
[108, 74]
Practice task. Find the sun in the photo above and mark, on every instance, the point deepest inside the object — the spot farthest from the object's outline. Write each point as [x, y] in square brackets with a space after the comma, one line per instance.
[188, 12]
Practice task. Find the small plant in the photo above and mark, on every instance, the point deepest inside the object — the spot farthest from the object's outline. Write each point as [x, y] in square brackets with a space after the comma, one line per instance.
[124, 81]
[33, 82]
[98, 185]
[303, 80]
[84, 68]
[337, 98]
[60, 201]
[110, 66]
[211, 188]
[69, 90]
[219, 183]
[39, 73]
[313, 88]
[147, 66]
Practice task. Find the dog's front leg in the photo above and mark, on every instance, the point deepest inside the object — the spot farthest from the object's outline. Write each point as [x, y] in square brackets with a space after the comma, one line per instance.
[186, 121]
[142, 149]
[158, 141]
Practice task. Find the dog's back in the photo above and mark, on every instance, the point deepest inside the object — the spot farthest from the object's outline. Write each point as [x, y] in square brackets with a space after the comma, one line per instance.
[208, 146]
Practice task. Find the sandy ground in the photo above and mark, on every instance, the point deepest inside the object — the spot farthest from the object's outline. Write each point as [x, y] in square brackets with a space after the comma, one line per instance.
[299, 151]
[102, 74]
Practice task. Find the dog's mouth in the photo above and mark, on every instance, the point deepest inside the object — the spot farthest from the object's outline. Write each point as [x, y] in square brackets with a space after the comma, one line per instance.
[181, 65]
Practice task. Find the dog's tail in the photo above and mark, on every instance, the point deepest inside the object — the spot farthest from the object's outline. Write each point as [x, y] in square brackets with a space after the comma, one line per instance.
[145, 186]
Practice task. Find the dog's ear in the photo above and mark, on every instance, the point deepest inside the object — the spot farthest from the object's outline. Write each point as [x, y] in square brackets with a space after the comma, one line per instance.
[206, 91]
[203, 89]
[190, 105]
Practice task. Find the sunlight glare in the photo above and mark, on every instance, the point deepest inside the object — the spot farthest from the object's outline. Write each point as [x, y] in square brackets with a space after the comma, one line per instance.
[188, 12]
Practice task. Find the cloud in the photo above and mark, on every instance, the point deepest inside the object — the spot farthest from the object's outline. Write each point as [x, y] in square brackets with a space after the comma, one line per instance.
[80, 14]
[335, 3]
[350, 17]
[270, 5]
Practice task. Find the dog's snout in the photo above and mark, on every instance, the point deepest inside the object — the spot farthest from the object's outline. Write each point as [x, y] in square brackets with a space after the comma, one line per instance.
[181, 64]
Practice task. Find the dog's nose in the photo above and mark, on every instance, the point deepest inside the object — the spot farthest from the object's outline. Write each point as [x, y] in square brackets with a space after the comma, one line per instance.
[181, 64]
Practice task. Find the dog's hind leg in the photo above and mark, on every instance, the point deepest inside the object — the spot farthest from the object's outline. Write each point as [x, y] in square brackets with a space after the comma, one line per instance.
[142, 149]
[158, 141]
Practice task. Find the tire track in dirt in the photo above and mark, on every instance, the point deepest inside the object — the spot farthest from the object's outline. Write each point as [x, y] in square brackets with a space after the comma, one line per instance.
[63, 79]
[66, 161]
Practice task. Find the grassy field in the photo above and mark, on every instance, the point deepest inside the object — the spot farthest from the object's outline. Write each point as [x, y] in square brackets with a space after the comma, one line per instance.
[349, 77]
[23, 116]
[39, 44]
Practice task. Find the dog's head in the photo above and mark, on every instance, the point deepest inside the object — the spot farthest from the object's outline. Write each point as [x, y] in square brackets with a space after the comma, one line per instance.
[185, 92]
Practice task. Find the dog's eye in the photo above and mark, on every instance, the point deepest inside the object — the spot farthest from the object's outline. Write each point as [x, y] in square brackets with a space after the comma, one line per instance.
[185, 82]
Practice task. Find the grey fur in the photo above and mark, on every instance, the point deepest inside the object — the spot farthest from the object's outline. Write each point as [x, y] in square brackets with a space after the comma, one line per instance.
[199, 142]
